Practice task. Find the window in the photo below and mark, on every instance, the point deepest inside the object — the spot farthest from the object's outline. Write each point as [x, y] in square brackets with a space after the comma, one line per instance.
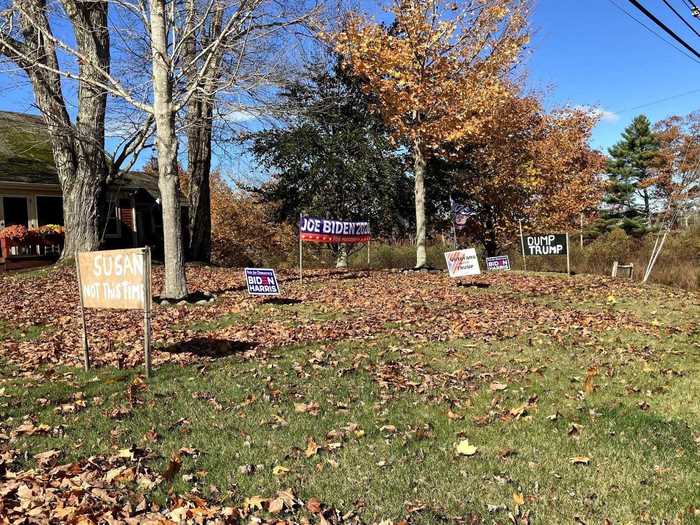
[16, 211]
[49, 210]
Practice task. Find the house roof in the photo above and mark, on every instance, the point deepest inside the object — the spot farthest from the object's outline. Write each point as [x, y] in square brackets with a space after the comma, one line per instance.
[25, 150]
[26, 156]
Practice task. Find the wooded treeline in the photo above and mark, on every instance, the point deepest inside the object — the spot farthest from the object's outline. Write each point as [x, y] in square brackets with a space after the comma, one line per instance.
[390, 123]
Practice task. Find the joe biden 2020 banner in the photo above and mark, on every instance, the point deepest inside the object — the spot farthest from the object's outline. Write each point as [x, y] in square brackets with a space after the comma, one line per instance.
[313, 229]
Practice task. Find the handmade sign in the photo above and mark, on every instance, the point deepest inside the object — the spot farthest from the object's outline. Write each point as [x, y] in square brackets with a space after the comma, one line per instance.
[116, 279]
[498, 263]
[551, 244]
[462, 262]
[312, 229]
[113, 279]
[261, 281]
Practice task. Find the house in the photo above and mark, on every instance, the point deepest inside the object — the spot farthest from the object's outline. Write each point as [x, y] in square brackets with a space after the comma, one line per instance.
[30, 193]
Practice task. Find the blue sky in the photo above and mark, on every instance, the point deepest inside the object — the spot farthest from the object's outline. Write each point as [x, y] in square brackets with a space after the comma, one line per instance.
[591, 53]
[584, 52]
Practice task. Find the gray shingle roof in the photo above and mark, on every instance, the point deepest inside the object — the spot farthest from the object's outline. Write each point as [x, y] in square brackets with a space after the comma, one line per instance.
[25, 150]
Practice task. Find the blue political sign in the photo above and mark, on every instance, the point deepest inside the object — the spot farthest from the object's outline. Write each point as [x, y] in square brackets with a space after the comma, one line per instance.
[261, 281]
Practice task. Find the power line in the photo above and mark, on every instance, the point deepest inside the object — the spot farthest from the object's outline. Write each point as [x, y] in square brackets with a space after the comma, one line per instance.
[663, 26]
[681, 17]
[656, 34]
[658, 101]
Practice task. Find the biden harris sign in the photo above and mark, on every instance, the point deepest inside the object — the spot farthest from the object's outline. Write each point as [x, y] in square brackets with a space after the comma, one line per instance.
[261, 281]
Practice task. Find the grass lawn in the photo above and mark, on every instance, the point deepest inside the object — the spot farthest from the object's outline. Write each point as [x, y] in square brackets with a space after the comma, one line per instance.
[581, 401]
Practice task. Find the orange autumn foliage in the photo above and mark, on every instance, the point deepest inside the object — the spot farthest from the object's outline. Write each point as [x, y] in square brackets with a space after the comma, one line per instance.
[677, 166]
[438, 68]
[244, 231]
[531, 165]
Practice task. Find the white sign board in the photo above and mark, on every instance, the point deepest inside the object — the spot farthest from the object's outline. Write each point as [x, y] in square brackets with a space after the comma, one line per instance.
[461, 263]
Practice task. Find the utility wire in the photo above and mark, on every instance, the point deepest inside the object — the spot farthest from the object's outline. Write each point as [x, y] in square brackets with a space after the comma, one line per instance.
[663, 26]
[658, 101]
[655, 33]
[681, 17]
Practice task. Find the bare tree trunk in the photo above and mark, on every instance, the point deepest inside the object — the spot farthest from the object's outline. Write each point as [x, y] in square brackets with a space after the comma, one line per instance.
[342, 258]
[175, 286]
[199, 136]
[419, 173]
[85, 187]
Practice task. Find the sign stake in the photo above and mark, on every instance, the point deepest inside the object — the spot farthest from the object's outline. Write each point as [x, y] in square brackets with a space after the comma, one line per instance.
[568, 256]
[582, 231]
[368, 248]
[86, 349]
[147, 311]
[301, 262]
[522, 244]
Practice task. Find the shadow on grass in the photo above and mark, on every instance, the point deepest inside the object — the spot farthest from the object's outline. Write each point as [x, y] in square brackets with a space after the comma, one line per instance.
[209, 347]
[281, 300]
[474, 284]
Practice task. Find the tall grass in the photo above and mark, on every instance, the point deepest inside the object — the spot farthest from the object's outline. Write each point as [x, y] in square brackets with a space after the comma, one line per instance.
[678, 264]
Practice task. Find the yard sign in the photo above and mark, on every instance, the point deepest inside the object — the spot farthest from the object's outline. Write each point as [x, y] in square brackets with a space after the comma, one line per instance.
[116, 279]
[261, 281]
[546, 244]
[314, 229]
[498, 263]
[461, 263]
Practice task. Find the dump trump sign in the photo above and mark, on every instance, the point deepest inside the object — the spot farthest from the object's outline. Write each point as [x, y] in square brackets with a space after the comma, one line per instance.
[261, 281]
[114, 279]
[550, 244]
[461, 263]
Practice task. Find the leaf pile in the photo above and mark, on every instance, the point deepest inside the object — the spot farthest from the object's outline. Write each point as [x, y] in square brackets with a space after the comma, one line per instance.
[107, 490]
[326, 307]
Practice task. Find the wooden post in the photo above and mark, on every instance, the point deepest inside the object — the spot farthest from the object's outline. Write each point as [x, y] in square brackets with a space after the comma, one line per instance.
[86, 348]
[614, 269]
[301, 262]
[368, 245]
[582, 231]
[568, 256]
[522, 244]
[147, 310]
[652, 262]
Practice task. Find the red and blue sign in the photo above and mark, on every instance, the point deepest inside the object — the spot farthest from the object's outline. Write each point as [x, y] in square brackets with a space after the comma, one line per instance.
[261, 281]
[500, 263]
[313, 229]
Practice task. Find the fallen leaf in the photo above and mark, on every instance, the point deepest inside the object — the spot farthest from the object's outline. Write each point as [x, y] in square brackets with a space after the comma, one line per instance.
[280, 471]
[464, 448]
[580, 460]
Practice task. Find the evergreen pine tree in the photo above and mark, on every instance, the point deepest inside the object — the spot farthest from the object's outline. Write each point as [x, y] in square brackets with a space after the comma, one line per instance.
[630, 171]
